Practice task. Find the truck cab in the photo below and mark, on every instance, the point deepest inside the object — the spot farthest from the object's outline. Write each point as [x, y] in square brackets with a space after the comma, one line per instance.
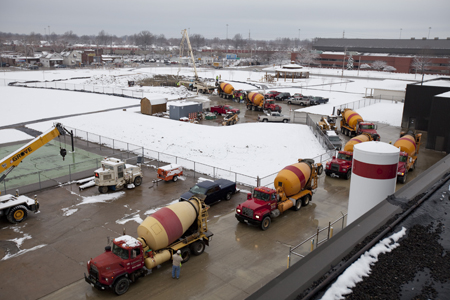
[258, 207]
[269, 104]
[340, 166]
[367, 127]
[115, 174]
[116, 267]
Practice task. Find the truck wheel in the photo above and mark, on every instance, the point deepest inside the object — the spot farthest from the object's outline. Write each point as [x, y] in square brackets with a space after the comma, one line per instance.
[320, 170]
[413, 166]
[185, 254]
[121, 286]
[269, 110]
[138, 181]
[175, 178]
[103, 189]
[403, 178]
[17, 214]
[285, 121]
[198, 247]
[348, 175]
[228, 196]
[216, 113]
[265, 120]
[289, 102]
[298, 205]
[306, 199]
[265, 224]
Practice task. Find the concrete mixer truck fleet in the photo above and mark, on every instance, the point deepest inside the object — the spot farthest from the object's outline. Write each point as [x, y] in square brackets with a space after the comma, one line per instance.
[341, 165]
[294, 185]
[408, 144]
[353, 124]
[180, 226]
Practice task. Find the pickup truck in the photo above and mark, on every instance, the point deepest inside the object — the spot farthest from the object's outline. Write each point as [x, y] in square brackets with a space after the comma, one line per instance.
[271, 94]
[334, 139]
[274, 117]
[318, 100]
[223, 109]
[299, 100]
[221, 189]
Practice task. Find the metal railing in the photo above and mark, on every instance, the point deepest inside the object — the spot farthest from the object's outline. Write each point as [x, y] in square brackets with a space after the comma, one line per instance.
[357, 104]
[315, 238]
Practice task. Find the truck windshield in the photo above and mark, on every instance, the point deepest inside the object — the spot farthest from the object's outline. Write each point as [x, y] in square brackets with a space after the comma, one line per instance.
[120, 252]
[344, 156]
[366, 126]
[334, 138]
[197, 190]
[107, 167]
[402, 158]
[261, 195]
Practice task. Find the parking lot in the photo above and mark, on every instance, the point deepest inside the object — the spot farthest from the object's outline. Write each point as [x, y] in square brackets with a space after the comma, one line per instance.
[241, 258]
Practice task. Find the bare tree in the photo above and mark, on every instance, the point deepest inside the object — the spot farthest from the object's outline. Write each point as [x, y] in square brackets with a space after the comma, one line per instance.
[238, 41]
[379, 65]
[307, 57]
[102, 38]
[197, 40]
[280, 57]
[389, 69]
[145, 38]
[420, 63]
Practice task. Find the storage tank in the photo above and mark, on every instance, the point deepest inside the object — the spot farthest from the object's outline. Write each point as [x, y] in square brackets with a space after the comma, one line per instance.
[374, 177]
[356, 140]
[256, 98]
[352, 118]
[406, 143]
[227, 88]
[294, 178]
[168, 224]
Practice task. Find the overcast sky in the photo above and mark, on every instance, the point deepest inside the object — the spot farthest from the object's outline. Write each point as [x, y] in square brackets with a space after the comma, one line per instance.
[263, 19]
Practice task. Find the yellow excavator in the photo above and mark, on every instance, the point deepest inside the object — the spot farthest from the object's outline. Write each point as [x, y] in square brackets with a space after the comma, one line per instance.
[8, 163]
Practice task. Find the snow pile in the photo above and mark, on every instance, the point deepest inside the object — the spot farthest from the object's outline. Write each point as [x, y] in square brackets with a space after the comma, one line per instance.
[128, 241]
[19, 242]
[361, 268]
[68, 211]
[113, 80]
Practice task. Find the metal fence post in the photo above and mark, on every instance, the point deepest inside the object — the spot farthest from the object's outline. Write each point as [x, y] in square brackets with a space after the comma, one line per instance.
[70, 175]
[158, 159]
[39, 175]
[289, 257]
[113, 146]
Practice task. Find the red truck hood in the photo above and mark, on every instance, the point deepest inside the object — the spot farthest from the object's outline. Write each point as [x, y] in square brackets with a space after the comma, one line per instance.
[254, 204]
[108, 260]
[341, 162]
[371, 131]
[401, 167]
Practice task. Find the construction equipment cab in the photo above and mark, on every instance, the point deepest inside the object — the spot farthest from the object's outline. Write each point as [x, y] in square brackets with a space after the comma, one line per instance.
[115, 174]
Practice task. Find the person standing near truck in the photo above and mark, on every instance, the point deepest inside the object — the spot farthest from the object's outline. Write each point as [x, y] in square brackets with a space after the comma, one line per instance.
[176, 264]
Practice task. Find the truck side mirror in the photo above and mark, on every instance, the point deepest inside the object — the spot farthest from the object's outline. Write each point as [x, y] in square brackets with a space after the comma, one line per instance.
[334, 157]
[249, 196]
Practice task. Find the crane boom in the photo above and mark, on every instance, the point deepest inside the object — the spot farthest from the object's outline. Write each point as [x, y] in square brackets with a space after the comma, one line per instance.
[11, 161]
[185, 35]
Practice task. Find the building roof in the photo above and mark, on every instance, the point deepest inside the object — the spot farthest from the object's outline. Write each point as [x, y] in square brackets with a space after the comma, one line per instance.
[401, 46]
[390, 85]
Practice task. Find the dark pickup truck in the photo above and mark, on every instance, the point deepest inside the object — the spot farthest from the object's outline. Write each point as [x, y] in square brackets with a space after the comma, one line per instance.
[220, 189]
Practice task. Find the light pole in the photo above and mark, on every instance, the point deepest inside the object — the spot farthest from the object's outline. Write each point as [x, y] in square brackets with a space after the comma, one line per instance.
[429, 29]
[299, 38]
[400, 34]
[227, 32]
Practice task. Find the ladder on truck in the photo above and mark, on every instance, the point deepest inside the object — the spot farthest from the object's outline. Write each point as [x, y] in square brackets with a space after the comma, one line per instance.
[203, 217]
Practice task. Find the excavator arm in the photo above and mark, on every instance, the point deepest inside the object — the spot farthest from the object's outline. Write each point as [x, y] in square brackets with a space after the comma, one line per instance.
[8, 163]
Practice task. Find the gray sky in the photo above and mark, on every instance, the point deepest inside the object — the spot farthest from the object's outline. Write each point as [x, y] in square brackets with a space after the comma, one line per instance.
[264, 19]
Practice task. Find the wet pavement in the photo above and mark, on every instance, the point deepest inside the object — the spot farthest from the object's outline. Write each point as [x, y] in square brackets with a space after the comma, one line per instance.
[241, 258]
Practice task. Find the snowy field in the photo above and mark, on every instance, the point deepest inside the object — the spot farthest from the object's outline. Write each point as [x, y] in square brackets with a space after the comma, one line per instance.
[240, 148]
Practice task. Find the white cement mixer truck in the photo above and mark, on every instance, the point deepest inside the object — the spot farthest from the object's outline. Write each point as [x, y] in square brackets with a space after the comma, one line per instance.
[180, 226]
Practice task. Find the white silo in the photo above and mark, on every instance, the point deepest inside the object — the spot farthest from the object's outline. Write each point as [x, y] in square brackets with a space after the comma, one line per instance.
[374, 176]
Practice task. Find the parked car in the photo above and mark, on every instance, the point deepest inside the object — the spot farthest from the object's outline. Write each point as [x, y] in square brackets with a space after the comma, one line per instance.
[297, 95]
[282, 96]
[5, 64]
[33, 67]
[60, 66]
[299, 100]
[271, 94]
[221, 189]
[318, 100]
[334, 139]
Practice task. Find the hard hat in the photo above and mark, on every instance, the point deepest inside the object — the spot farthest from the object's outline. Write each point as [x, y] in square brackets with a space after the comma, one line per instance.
[179, 252]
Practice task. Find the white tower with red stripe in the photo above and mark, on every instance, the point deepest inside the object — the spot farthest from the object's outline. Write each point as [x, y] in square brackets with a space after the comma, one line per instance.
[374, 176]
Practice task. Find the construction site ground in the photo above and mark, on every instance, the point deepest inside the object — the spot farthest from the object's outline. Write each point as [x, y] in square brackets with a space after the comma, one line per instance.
[240, 259]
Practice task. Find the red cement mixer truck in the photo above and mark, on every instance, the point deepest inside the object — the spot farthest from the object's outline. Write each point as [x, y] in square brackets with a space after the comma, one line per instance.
[256, 101]
[180, 226]
[408, 144]
[341, 165]
[353, 124]
[294, 185]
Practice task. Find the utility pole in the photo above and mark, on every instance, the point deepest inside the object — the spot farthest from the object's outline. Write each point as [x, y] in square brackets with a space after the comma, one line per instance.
[429, 29]
[400, 34]
[343, 34]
